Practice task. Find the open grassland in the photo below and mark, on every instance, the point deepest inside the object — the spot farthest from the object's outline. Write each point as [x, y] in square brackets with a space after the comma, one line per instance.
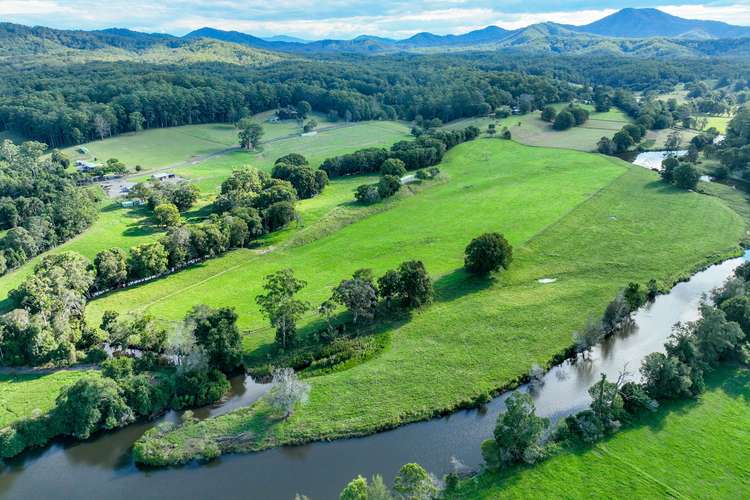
[694, 449]
[719, 122]
[21, 394]
[656, 139]
[160, 147]
[531, 130]
[125, 228]
[336, 140]
[592, 222]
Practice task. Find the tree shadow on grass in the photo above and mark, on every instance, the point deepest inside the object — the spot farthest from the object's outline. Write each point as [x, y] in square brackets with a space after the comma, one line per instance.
[460, 283]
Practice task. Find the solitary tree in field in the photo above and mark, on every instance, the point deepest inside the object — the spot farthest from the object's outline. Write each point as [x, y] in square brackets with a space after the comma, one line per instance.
[564, 120]
[250, 134]
[414, 483]
[215, 330]
[280, 306]
[673, 142]
[303, 109]
[286, 391]
[487, 253]
[518, 434]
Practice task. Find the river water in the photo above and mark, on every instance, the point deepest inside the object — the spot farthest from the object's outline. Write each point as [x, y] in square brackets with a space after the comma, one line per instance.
[103, 468]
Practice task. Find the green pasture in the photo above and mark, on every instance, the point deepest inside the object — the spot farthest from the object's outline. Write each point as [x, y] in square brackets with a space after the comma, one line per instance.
[690, 449]
[593, 223]
[22, 394]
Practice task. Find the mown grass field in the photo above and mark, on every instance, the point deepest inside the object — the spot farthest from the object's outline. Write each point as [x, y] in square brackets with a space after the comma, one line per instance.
[531, 130]
[338, 139]
[21, 394]
[694, 449]
[160, 147]
[592, 222]
[125, 228]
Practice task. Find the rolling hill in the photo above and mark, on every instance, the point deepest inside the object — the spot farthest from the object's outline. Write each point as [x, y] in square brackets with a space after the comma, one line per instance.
[38, 45]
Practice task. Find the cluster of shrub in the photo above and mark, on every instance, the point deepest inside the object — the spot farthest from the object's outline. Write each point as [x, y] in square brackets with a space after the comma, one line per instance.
[692, 350]
[652, 114]
[392, 171]
[425, 151]
[182, 195]
[627, 137]
[568, 117]
[411, 482]
[504, 132]
[186, 371]
[40, 204]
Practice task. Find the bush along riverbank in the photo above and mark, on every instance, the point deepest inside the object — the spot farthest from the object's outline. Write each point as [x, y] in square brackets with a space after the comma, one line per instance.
[718, 341]
[258, 426]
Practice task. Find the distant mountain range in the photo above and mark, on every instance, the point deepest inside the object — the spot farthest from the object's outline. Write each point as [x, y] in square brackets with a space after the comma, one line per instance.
[634, 32]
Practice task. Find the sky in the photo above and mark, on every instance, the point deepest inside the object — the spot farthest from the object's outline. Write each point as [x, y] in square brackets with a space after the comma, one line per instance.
[316, 19]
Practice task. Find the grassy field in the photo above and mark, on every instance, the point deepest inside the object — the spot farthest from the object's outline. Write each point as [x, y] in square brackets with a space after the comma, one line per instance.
[591, 222]
[160, 147]
[126, 228]
[719, 122]
[20, 395]
[339, 139]
[685, 450]
[531, 130]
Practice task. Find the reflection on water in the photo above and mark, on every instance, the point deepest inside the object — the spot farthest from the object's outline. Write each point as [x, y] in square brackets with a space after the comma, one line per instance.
[653, 159]
[102, 468]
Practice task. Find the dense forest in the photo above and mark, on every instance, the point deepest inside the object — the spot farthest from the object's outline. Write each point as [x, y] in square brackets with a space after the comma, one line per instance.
[77, 103]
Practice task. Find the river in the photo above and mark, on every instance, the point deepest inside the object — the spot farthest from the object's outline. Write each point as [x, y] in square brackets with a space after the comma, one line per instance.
[103, 467]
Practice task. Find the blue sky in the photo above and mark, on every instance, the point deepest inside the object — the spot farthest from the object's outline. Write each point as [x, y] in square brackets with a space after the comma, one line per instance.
[314, 19]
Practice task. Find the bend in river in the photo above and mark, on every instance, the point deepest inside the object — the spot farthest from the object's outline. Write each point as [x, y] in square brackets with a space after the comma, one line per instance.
[103, 467]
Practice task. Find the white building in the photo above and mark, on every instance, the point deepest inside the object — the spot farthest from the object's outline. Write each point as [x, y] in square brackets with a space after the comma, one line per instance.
[163, 176]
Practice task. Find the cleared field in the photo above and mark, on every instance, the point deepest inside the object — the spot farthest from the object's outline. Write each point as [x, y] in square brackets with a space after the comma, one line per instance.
[685, 450]
[115, 227]
[126, 228]
[591, 222]
[339, 139]
[20, 395]
[531, 130]
[655, 139]
[719, 122]
[160, 147]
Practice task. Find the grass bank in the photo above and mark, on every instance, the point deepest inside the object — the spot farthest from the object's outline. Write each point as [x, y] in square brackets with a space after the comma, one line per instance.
[22, 394]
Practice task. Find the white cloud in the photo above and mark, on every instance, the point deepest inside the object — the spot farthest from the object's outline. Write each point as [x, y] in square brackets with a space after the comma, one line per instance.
[733, 14]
